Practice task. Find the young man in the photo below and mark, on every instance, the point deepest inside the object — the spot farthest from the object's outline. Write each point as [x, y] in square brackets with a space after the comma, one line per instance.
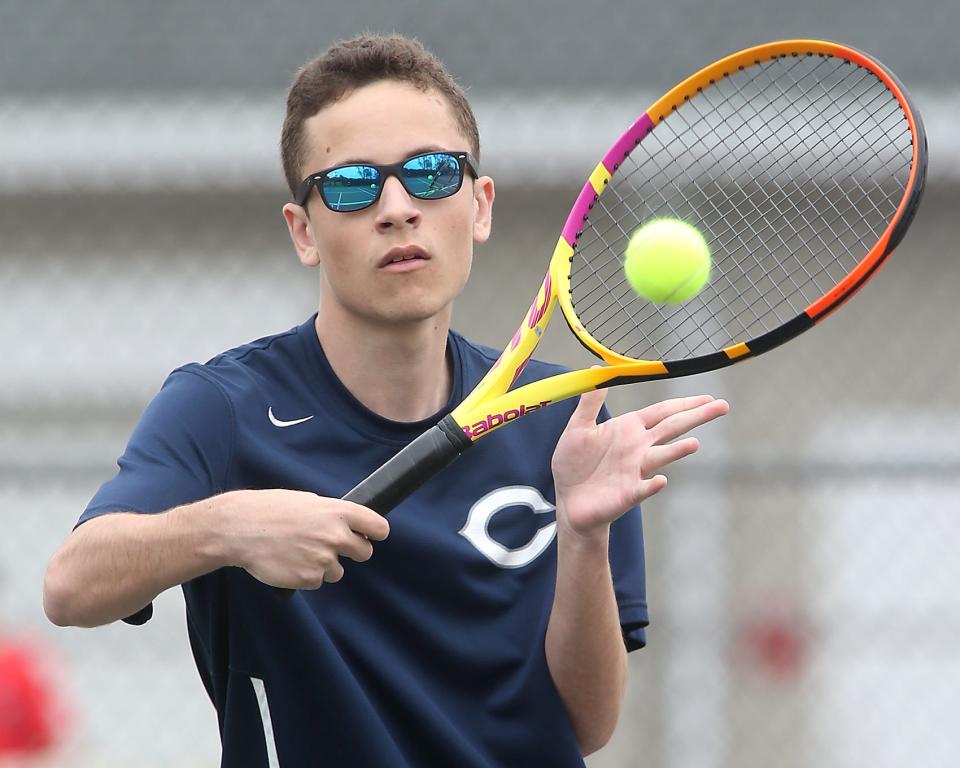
[453, 645]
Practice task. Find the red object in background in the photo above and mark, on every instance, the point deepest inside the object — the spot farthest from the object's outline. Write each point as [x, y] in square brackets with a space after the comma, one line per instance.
[776, 647]
[773, 641]
[30, 713]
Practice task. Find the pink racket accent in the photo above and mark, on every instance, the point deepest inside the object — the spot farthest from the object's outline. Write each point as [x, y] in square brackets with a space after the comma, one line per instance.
[614, 157]
[537, 310]
[580, 208]
[627, 142]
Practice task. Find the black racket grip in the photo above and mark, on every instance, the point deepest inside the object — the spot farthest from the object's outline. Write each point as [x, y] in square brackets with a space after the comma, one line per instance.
[413, 466]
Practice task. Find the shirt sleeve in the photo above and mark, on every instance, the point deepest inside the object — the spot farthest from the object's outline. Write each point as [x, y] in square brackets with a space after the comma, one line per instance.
[629, 577]
[629, 573]
[179, 453]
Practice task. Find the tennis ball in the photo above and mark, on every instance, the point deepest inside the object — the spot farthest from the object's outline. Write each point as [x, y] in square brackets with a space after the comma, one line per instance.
[667, 261]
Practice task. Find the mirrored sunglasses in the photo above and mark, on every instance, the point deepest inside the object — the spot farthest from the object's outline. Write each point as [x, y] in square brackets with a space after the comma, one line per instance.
[430, 176]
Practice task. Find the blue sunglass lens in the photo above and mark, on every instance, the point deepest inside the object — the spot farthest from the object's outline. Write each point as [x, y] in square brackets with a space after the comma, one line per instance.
[351, 188]
[432, 176]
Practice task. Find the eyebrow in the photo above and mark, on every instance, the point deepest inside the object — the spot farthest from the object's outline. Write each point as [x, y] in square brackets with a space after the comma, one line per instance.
[414, 153]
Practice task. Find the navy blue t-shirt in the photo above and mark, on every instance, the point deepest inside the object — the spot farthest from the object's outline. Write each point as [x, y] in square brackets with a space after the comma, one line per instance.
[429, 654]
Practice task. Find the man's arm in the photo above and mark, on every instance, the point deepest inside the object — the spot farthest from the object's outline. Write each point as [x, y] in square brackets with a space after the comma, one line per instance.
[600, 471]
[584, 647]
[113, 565]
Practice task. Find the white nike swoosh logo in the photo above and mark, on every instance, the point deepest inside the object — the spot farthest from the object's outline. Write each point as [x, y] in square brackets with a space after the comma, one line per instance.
[279, 423]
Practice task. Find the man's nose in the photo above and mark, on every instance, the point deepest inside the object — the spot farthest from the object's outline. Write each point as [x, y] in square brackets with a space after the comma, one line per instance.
[396, 207]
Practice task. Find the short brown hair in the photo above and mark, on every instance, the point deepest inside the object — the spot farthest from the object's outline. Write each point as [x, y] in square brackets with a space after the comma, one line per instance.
[354, 63]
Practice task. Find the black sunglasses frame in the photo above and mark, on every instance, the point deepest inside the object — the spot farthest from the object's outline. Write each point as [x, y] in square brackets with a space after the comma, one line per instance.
[465, 159]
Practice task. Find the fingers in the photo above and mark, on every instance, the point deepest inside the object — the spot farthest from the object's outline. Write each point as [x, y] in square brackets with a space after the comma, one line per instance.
[333, 573]
[659, 456]
[681, 420]
[649, 487]
[654, 414]
[361, 526]
[587, 410]
[364, 521]
[357, 548]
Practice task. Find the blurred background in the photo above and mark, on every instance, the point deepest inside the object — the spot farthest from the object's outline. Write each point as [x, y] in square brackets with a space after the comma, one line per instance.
[802, 568]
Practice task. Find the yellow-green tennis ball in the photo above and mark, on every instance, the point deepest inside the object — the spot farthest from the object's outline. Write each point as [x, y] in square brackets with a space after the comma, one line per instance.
[667, 261]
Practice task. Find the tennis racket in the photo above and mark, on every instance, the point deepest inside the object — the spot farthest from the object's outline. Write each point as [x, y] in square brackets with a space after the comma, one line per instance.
[802, 162]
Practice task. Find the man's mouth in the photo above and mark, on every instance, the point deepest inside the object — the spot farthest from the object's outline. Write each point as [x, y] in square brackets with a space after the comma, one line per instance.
[404, 253]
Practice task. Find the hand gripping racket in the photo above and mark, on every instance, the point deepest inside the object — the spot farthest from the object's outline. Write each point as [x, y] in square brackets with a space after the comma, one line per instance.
[802, 162]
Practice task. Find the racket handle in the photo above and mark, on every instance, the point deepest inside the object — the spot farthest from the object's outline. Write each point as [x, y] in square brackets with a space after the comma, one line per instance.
[413, 466]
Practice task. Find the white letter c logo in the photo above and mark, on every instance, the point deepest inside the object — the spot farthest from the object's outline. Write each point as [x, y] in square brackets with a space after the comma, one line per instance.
[475, 530]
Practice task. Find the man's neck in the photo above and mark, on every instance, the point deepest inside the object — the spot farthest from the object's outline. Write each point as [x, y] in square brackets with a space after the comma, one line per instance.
[398, 371]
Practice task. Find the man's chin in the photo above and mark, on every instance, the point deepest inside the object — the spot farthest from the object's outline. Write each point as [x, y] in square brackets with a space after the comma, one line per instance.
[410, 314]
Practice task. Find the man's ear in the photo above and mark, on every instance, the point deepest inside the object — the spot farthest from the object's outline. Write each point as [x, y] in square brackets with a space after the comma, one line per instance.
[483, 194]
[301, 233]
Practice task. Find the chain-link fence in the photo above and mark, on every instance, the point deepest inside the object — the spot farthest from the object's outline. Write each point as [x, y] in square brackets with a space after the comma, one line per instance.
[801, 568]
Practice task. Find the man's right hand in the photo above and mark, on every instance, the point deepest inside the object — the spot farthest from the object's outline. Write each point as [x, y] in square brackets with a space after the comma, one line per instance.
[294, 539]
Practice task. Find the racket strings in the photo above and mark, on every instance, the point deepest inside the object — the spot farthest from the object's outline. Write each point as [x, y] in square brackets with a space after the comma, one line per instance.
[839, 212]
[709, 200]
[791, 169]
[720, 234]
[628, 321]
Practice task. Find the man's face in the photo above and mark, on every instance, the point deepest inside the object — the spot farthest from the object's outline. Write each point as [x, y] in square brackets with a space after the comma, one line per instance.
[387, 122]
